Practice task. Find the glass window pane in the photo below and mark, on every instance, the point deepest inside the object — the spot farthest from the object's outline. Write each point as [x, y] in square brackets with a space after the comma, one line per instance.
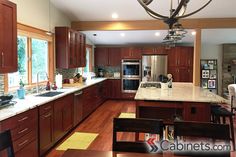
[22, 73]
[39, 59]
[86, 69]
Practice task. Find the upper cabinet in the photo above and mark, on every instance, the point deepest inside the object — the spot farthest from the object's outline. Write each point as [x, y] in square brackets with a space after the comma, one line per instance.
[70, 48]
[154, 50]
[8, 37]
[131, 53]
[105, 56]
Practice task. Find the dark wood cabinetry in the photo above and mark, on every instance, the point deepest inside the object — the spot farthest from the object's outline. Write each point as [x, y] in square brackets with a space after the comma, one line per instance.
[24, 132]
[63, 116]
[131, 53]
[105, 56]
[114, 89]
[70, 48]
[45, 127]
[8, 37]
[180, 63]
[78, 106]
[154, 50]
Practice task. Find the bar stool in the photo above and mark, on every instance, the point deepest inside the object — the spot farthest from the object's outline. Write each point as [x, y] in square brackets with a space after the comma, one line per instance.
[220, 113]
[232, 93]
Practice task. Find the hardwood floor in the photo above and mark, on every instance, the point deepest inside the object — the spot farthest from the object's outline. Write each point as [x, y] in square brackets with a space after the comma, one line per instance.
[100, 122]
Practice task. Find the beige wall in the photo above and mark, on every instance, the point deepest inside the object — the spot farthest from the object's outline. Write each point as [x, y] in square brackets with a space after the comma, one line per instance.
[36, 13]
[214, 51]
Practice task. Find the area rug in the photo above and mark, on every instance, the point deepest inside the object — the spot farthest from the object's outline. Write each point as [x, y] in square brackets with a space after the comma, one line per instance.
[78, 140]
[126, 115]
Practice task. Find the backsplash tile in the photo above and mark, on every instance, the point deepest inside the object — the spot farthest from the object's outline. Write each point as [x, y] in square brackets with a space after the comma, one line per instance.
[1, 84]
[67, 73]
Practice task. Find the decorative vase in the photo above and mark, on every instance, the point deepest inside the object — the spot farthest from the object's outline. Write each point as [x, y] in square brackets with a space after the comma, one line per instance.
[21, 93]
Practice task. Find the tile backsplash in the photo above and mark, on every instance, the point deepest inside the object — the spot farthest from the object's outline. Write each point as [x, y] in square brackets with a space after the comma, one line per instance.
[1, 84]
[108, 70]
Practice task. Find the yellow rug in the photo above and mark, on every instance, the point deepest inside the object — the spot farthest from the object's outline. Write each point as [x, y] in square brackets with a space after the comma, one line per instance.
[126, 115]
[78, 140]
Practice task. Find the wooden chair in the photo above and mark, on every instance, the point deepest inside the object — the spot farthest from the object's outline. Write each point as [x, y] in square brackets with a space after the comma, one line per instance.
[6, 143]
[203, 130]
[137, 125]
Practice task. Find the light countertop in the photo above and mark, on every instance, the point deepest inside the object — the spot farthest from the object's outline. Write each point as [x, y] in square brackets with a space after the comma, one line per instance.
[32, 101]
[179, 92]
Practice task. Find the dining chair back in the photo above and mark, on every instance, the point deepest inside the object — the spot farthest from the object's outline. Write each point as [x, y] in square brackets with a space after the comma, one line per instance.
[6, 143]
[203, 130]
[232, 96]
[137, 125]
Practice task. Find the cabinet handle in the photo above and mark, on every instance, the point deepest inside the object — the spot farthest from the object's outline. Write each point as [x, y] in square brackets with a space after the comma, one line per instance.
[48, 115]
[47, 108]
[2, 59]
[22, 131]
[78, 93]
[21, 120]
[22, 143]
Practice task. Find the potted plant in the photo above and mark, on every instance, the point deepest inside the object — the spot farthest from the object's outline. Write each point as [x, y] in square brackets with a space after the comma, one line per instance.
[21, 90]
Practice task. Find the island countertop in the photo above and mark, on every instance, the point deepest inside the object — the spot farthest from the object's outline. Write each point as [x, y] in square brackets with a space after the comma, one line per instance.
[184, 92]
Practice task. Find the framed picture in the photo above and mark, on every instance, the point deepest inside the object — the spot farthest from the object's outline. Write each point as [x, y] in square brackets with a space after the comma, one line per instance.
[211, 83]
[205, 73]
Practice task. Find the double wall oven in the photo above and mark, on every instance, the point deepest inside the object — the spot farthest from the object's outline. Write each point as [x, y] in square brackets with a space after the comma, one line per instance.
[131, 75]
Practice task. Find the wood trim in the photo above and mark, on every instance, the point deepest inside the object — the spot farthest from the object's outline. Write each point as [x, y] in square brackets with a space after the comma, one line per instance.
[51, 60]
[29, 61]
[201, 23]
[197, 56]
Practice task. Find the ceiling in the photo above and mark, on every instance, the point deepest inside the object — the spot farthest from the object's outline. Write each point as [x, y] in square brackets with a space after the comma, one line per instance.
[101, 10]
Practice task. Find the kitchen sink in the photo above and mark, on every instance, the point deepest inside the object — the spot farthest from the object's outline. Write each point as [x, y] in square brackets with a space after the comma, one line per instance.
[49, 94]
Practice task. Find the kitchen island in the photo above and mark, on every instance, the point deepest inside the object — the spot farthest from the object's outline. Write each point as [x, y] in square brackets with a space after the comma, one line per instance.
[183, 101]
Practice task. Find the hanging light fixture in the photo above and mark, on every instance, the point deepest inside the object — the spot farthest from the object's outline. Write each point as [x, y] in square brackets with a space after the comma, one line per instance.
[175, 13]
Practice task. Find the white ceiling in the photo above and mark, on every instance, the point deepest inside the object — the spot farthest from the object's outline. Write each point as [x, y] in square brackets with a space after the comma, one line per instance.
[101, 10]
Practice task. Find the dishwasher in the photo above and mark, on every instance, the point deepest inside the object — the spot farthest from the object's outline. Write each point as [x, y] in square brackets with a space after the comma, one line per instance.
[78, 107]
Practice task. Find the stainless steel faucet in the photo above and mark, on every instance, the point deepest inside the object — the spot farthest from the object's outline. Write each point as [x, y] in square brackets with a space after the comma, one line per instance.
[37, 83]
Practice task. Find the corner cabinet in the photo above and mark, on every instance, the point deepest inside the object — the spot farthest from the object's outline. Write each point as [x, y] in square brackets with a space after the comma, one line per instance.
[8, 37]
[70, 48]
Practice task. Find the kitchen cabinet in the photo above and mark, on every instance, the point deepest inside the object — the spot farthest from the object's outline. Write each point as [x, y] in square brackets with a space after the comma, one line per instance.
[180, 63]
[70, 48]
[131, 53]
[78, 106]
[63, 116]
[107, 56]
[45, 127]
[154, 50]
[114, 89]
[8, 37]
[24, 132]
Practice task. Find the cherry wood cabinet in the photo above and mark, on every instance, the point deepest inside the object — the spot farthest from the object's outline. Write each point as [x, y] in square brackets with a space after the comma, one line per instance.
[107, 56]
[24, 132]
[78, 106]
[114, 88]
[180, 63]
[45, 127]
[63, 116]
[154, 50]
[131, 53]
[8, 37]
[70, 48]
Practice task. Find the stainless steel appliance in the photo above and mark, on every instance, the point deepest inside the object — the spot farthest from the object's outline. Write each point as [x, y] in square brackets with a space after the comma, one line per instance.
[131, 75]
[154, 67]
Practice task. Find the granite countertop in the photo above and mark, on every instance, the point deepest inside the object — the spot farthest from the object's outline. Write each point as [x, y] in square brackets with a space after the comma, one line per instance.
[179, 92]
[32, 101]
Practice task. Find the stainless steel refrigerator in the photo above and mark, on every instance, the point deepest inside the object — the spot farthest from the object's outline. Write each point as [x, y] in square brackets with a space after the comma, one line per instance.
[154, 67]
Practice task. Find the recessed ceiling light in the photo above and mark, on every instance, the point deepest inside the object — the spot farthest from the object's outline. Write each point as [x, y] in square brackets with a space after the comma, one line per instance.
[193, 33]
[114, 15]
[122, 34]
[157, 34]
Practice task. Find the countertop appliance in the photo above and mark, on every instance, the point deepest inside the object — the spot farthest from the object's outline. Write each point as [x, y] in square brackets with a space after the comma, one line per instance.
[6, 101]
[154, 67]
[131, 75]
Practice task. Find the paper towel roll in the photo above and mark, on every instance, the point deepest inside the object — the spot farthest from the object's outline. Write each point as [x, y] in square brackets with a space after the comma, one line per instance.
[59, 81]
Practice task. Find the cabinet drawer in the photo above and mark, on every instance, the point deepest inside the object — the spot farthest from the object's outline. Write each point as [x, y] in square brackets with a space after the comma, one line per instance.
[25, 140]
[24, 129]
[45, 108]
[31, 149]
[20, 119]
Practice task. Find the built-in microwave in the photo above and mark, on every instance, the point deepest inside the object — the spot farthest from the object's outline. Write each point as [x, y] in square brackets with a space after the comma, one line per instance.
[131, 68]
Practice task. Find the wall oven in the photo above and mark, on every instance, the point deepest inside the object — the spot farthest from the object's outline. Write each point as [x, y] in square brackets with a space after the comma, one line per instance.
[131, 75]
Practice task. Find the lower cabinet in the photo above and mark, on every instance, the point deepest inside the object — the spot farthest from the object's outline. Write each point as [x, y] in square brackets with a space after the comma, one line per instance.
[78, 106]
[63, 116]
[114, 89]
[24, 132]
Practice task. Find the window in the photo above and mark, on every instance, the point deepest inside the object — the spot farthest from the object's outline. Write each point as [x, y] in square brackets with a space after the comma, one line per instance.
[34, 52]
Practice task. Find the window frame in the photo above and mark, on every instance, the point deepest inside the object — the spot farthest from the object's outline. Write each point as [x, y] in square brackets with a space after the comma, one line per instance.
[31, 32]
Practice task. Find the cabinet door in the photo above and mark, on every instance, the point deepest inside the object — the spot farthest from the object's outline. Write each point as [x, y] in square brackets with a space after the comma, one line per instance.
[78, 106]
[58, 120]
[114, 56]
[72, 52]
[114, 89]
[126, 53]
[185, 74]
[45, 132]
[67, 119]
[8, 37]
[82, 50]
[77, 49]
[172, 57]
[101, 56]
[148, 50]
[136, 53]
